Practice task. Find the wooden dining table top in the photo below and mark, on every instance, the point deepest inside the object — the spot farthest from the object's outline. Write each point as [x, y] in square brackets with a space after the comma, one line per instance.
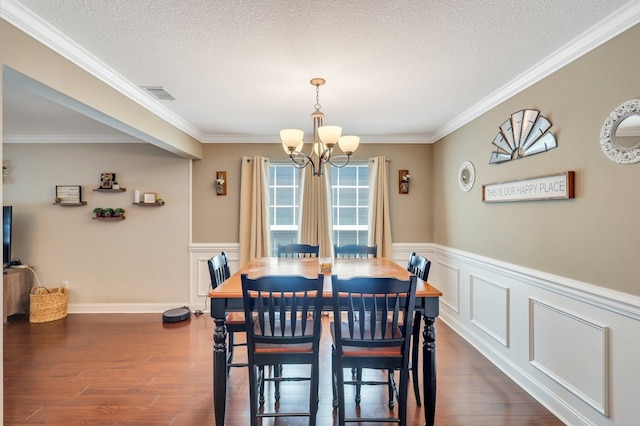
[309, 267]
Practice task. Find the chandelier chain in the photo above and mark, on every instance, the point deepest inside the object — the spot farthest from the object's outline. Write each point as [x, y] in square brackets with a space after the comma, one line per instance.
[317, 105]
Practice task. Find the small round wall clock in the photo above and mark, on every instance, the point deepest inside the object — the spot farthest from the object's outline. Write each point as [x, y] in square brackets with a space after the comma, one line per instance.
[466, 176]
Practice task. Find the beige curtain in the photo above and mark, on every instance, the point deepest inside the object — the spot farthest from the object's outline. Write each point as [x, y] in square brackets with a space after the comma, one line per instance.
[379, 219]
[316, 222]
[255, 238]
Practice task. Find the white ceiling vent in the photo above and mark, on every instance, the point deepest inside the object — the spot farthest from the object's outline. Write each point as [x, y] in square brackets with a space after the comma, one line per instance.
[159, 93]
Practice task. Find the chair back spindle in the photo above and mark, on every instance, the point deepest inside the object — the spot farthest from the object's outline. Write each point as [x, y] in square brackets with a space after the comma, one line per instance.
[299, 250]
[355, 251]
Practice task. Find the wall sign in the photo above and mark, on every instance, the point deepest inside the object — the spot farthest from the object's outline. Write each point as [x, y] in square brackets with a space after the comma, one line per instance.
[68, 194]
[553, 187]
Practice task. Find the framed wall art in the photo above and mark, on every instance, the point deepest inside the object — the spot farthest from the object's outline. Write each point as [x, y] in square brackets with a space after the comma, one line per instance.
[107, 179]
[149, 197]
[68, 194]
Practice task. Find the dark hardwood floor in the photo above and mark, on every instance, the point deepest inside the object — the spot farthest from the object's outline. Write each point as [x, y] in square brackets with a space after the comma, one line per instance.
[131, 369]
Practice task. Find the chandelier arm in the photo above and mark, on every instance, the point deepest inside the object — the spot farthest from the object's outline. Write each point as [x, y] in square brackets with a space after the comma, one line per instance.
[305, 161]
[325, 155]
[300, 158]
[340, 157]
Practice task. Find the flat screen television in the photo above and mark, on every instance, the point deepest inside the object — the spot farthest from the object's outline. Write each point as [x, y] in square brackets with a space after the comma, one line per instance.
[7, 213]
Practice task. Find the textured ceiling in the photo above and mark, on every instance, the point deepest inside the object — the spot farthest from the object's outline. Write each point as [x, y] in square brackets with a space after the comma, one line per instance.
[396, 71]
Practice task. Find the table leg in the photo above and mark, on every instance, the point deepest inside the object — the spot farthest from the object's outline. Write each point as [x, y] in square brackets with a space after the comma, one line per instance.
[429, 370]
[219, 369]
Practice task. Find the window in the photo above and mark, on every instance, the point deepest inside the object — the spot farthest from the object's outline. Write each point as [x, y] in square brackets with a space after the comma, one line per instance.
[349, 198]
[283, 205]
[350, 201]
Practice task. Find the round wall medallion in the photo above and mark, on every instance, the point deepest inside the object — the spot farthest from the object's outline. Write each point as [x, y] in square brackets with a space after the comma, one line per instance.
[466, 176]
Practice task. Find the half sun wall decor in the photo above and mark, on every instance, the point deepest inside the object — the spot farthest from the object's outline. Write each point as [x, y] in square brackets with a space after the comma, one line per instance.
[524, 133]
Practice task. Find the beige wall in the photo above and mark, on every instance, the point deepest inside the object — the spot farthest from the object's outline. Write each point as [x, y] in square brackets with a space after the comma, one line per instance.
[141, 260]
[215, 218]
[593, 238]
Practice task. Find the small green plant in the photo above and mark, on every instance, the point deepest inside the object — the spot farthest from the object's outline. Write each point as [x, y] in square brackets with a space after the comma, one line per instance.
[98, 212]
[119, 211]
[108, 212]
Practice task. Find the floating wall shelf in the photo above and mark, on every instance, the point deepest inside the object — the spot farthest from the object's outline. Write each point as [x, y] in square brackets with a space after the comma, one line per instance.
[107, 219]
[110, 190]
[81, 203]
[156, 204]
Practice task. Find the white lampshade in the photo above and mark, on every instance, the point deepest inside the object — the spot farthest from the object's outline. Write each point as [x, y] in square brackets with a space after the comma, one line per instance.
[318, 148]
[296, 149]
[329, 135]
[349, 144]
[292, 139]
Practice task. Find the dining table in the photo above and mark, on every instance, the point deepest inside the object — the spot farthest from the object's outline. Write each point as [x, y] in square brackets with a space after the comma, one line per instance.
[227, 297]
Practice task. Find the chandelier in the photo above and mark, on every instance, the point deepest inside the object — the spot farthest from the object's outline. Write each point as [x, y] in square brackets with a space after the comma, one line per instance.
[324, 140]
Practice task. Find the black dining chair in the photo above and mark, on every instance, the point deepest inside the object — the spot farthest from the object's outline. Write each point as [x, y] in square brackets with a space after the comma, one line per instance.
[286, 332]
[419, 266]
[299, 250]
[219, 272]
[372, 336]
[355, 251]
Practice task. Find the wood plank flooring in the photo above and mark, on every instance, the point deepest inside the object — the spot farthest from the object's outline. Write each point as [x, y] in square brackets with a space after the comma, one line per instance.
[132, 369]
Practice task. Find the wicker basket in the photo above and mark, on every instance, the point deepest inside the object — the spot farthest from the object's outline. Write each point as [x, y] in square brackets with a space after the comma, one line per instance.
[48, 304]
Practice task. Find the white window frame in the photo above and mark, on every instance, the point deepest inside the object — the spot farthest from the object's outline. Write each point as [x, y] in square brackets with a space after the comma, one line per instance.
[358, 228]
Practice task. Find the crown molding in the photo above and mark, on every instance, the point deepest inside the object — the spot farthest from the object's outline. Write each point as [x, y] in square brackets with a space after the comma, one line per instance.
[370, 139]
[22, 18]
[621, 20]
[92, 138]
[613, 25]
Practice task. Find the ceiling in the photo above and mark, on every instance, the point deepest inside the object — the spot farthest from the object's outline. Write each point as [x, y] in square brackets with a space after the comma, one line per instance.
[397, 71]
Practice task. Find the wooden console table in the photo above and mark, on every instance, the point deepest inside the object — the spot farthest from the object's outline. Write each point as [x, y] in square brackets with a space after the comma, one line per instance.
[16, 286]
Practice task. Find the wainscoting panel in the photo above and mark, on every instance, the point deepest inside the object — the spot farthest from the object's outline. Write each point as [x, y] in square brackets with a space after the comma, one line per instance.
[559, 343]
[489, 309]
[203, 278]
[571, 345]
[200, 281]
[448, 278]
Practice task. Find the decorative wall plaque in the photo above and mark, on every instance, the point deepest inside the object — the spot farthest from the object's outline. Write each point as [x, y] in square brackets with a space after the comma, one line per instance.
[524, 133]
[68, 194]
[553, 187]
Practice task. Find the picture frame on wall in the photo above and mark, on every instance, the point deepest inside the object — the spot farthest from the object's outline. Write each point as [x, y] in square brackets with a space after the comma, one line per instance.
[68, 194]
[107, 179]
[149, 197]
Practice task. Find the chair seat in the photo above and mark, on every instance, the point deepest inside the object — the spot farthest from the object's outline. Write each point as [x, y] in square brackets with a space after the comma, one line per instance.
[235, 318]
[360, 351]
[262, 348]
[280, 349]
